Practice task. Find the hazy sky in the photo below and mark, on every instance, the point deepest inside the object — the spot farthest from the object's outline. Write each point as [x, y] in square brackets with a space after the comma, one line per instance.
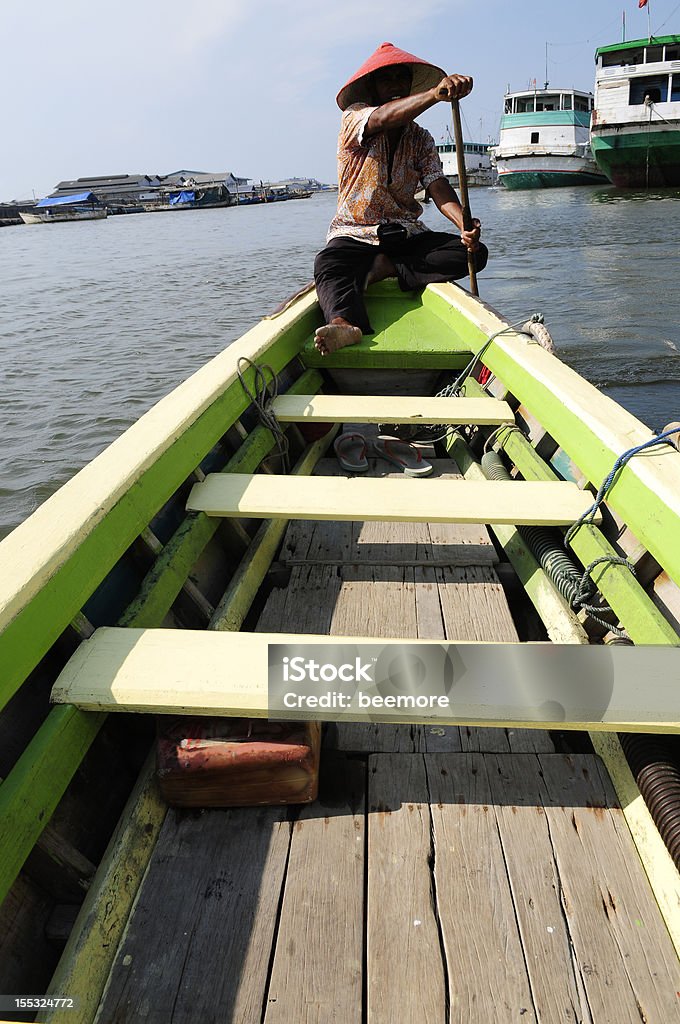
[250, 86]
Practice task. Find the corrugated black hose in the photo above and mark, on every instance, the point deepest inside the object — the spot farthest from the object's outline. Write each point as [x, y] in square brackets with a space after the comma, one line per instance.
[653, 760]
[654, 765]
[547, 551]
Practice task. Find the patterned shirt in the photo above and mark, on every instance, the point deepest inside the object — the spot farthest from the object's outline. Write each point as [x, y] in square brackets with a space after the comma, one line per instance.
[367, 196]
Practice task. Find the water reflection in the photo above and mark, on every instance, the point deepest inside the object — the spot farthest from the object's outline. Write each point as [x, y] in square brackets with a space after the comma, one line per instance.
[625, 195]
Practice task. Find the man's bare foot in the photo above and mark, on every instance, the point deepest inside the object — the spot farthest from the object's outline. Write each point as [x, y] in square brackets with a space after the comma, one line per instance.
[382, 267]
[337, 334]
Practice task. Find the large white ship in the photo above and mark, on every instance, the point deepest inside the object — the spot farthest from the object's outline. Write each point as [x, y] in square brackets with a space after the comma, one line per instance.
[477, 162]
[636, 121]
[544, 140]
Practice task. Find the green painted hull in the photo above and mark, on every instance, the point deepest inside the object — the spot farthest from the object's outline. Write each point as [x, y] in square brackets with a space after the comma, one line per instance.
[517, 180]
[640, 160]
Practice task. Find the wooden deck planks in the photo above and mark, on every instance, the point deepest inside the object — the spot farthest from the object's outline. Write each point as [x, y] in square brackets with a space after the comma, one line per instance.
[198, 943]
[530, 928]
[504, 886]
[462, 543]
[406, 980]
[630, 969]
[308, 601]
[377, 737]
[474, 605]
[317, 971]
[487, 973]
[516, 789]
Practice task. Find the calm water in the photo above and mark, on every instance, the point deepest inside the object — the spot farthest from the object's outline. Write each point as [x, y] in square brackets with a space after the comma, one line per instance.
[99, 320]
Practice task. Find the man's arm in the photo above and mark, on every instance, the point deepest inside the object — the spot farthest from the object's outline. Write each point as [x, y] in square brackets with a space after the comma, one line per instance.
[447, 202]
[397, 113]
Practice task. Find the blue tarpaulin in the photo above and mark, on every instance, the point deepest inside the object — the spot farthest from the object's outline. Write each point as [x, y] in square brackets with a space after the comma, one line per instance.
[182, 197]
[79, 197]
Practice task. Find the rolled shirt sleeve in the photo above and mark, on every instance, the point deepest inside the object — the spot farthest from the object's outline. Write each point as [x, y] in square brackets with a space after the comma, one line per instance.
[429, 164]
[354, 121]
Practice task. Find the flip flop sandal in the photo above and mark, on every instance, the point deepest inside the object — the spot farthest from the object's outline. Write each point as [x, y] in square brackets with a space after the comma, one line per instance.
[404, 455]
[350, 450]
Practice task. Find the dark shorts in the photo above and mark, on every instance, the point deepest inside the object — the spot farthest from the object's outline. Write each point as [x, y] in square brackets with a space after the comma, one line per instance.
[341, 268]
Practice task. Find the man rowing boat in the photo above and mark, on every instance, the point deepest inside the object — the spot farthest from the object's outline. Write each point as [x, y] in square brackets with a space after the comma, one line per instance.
[383, 159]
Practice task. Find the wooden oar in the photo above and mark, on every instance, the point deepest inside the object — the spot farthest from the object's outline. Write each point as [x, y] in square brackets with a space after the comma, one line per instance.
[462, 185]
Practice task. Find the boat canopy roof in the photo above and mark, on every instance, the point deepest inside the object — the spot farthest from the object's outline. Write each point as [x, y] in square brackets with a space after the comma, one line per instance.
[531, 101]
[78, 197]
[547, 92]
[635, 44]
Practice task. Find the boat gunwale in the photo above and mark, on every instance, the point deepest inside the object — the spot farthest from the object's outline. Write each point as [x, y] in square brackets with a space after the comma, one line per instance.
[550, 389]
[84, 500]
[127, 481]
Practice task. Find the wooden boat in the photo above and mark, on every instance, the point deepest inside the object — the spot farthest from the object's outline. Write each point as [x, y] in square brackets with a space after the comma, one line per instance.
[56, 209]
[60, 216]
[491, 864]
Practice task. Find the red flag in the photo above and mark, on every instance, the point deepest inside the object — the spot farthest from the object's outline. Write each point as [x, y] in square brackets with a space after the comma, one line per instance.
[642, 3]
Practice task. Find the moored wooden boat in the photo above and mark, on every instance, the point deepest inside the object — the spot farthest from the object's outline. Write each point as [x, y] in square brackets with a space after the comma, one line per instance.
[56, 209]
[422, 884]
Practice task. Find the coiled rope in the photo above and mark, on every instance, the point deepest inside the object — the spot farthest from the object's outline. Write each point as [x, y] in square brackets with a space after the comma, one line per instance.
[453, 389]
[589, 515]
[534, 327]
[262, 399]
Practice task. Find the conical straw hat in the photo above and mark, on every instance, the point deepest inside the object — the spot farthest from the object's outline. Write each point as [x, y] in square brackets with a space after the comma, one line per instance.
[358, 90]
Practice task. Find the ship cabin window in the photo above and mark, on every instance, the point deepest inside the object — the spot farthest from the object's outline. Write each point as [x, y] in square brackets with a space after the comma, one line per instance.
[581, 103]
[675, 89]
[548, 103]
[653, 86]
[567, 100]
[672, 53]
[525, 105]
[534, 138]
[618, 58]
[615, 59]
[653, 54]
[507, 109]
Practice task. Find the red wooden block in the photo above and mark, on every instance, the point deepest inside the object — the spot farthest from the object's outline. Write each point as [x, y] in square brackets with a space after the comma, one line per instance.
[236, 762]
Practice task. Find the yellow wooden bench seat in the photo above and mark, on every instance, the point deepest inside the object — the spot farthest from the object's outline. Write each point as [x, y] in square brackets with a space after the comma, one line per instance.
[193, 672]
[400, 499]
[388, 409]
